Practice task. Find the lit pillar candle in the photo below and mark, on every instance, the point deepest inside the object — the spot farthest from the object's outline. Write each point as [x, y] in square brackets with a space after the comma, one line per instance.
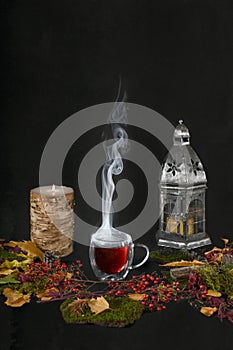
[173, 226]
[52, 218]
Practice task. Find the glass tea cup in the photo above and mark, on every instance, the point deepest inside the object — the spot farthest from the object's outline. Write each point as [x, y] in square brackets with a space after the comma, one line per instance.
[111, 254]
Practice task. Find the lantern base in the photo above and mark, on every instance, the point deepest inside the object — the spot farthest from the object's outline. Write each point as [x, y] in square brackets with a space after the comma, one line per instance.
[173, 240]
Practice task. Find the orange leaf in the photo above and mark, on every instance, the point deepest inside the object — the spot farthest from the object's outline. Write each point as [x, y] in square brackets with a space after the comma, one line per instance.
[208, 311]
[214, 250]
[212, 293]
[184, 263]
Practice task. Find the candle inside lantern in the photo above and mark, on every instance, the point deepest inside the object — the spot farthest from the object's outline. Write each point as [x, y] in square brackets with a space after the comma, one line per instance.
[178, 227]
[52, 222]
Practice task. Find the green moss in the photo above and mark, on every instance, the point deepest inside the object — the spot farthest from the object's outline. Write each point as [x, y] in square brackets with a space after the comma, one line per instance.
[122, 311]
[218, 278]
[166, 273]
[164, 257]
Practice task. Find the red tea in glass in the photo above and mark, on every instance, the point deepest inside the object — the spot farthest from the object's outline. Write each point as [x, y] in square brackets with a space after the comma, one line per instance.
[111, 254]
[111, 260]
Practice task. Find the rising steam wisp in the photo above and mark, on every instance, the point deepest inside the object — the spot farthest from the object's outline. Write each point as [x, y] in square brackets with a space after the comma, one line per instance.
[114, 163]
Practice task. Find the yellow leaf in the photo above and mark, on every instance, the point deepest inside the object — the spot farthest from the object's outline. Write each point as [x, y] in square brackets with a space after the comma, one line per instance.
[16, 298]
[98, 305]
[208, 311]
[15, 263]
[225, 240]
[184, 263]
[136, 297]
[212, 293]
[29, 247]
[6, 272]
[69, 275]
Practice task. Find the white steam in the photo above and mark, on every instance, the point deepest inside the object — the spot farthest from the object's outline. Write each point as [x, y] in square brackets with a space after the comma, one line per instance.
[114, 163]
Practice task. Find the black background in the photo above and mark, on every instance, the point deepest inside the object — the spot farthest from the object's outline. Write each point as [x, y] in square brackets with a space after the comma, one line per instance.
[58, 57]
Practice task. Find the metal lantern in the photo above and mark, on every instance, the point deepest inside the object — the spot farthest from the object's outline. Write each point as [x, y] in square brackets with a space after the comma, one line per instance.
[182, 196]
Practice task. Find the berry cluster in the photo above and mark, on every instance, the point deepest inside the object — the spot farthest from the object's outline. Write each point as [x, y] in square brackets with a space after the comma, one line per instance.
[61, 279]
[153, 291]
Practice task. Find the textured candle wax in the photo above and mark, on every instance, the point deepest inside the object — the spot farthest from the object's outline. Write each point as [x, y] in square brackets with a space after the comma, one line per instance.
[52, 218]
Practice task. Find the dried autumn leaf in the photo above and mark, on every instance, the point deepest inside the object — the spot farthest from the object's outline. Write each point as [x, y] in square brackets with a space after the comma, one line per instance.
[208, 311]
[29, 247]
[16, 298]
[69, 275]
[77, 307]
[213, 293]
[42, 294]
[98, 305]
[225, 240]
[136, 297]
[184, 263]
[218, 257]
[6, 272]
[214, 250]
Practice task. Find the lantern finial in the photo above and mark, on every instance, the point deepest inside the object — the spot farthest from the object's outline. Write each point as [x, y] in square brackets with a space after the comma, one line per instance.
[181, 135]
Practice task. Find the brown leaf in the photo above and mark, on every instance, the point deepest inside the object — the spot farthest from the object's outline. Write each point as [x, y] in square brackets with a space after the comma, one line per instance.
[208, 311]
[184, 263]
[212, 293]
[29, 247]
[136, 297]
[98, 305]
[78, 307]
[16, 298]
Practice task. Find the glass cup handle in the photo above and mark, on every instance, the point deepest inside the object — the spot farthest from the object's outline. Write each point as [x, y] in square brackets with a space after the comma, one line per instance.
[146, 257]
